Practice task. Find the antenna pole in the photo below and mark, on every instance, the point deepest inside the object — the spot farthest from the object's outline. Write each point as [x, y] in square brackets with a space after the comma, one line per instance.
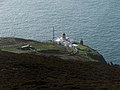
[53, 34]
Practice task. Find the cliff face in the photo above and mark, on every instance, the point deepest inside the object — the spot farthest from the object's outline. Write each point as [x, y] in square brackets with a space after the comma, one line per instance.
[93, 55]
[98, 57]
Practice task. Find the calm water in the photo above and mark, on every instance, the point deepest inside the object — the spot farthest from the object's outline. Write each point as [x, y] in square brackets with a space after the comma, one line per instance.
[96, 21]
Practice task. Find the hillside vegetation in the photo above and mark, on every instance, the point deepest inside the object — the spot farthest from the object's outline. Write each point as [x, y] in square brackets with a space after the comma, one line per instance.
[53, 67]
[37, 72]
[82, 52]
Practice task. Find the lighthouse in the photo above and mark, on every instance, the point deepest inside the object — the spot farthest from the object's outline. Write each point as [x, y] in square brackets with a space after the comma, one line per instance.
[64, 36]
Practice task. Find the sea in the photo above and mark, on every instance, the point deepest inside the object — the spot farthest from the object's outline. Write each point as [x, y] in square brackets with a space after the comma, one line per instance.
[97, 22]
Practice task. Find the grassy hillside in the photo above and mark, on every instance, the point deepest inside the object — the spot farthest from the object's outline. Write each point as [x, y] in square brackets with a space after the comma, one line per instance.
[54, 67]
[83, 53]
[38, 72]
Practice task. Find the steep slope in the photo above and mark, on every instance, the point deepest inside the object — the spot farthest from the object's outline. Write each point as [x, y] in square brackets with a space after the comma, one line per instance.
[37, 72]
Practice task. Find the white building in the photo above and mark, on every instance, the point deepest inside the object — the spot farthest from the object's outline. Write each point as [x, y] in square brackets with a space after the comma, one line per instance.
[66, 41]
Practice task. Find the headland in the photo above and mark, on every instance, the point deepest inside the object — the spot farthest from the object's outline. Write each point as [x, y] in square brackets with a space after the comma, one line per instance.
[33, 65]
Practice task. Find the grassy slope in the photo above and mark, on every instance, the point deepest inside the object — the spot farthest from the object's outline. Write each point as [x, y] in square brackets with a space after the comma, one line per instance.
[49, 48]
[32, 72]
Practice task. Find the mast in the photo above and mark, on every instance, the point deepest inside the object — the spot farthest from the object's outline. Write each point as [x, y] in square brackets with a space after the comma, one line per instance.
[53, 34]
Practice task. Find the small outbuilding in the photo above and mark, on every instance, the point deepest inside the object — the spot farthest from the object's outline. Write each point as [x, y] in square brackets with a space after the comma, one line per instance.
[27, 47]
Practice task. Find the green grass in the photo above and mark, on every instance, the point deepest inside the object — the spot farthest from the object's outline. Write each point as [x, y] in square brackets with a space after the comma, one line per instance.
[40, 47]
[14, 50]
[59, 50]
[10, 49]
[83, 47]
